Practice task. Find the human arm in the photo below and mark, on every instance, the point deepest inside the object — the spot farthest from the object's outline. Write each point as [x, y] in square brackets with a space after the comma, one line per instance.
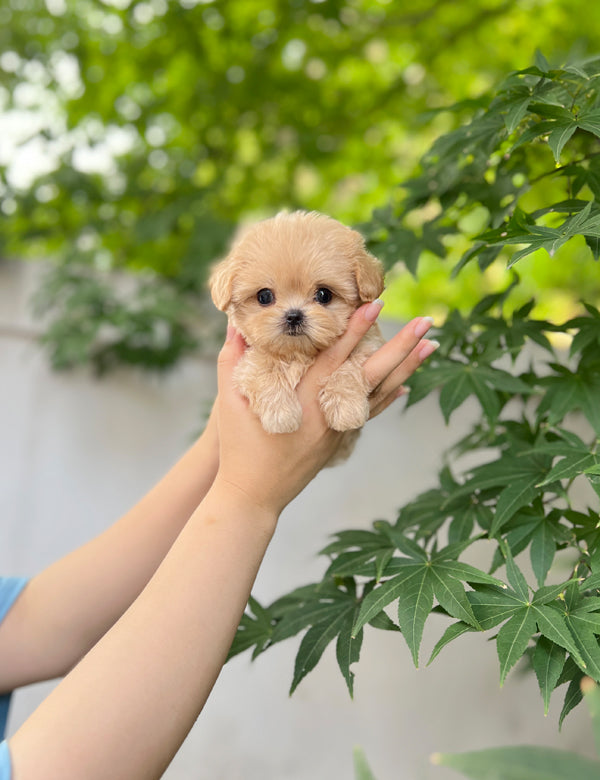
[67, 607]
[124, 710]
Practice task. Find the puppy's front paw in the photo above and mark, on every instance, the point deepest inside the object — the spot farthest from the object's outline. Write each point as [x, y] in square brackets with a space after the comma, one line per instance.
[342, 414]
[282, 417]
[270, 388]
[344, 402]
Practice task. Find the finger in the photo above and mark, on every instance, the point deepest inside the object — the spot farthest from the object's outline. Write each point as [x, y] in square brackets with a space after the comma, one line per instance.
[394, 381]
[388, 400]
[392, 354]
[231, 351]
[358, 325]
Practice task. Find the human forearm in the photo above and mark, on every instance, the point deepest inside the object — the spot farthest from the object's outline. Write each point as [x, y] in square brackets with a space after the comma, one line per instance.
[147, 679]
[125, 709]
[67, 607]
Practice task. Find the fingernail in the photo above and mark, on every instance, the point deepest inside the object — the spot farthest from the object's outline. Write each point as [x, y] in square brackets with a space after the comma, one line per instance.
[423, 326]
[428, 349]
[230, 333]
[373, 309]
[403, 390]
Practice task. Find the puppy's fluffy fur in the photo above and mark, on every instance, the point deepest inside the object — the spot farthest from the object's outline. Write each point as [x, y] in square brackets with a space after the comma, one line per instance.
[289, 286]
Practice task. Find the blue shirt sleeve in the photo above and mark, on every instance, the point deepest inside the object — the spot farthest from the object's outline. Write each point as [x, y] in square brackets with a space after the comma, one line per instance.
[5, 767]
[10, 588]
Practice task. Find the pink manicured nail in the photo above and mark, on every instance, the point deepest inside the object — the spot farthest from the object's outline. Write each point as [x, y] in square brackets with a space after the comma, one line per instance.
[402, 391]
[423, 326]
[428, 348]
[230, 333]
[373, 309]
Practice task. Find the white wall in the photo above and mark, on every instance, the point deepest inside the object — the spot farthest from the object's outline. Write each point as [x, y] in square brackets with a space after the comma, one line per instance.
[76, 452]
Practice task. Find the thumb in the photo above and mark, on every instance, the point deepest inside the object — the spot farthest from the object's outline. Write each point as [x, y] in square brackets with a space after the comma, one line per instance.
[231, 351]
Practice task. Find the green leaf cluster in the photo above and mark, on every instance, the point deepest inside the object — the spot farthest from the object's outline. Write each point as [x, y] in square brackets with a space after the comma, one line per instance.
[136, 134]
[500, 164]
[535, 439]
[328, 610]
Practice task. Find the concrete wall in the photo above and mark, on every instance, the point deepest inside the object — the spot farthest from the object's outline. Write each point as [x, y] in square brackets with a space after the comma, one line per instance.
[76, 452]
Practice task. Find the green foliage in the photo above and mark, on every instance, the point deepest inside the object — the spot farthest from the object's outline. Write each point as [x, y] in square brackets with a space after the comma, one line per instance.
[362, 770]
[530, 763]
[522, 763]
[101, 325]
[136, 133]
[518, 763]
[524, 498]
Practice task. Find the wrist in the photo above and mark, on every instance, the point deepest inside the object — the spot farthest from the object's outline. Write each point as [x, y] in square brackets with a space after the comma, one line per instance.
[206, 450]
[226, 499]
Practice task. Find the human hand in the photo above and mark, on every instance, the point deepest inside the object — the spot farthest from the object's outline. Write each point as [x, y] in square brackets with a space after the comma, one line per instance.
[395, 362]
[269, 470]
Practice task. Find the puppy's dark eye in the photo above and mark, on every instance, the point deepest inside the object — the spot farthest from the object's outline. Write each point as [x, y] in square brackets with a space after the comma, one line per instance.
[265, 297]
[323, 296]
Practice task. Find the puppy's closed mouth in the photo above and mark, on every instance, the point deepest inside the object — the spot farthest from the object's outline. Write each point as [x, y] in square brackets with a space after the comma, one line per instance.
[290, 331]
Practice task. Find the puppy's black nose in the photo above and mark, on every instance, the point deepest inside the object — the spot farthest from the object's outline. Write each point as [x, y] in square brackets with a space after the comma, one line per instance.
[294, 320]
[294, 317]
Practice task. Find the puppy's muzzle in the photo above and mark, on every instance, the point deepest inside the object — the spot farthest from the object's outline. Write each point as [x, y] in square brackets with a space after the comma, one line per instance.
[293, 323]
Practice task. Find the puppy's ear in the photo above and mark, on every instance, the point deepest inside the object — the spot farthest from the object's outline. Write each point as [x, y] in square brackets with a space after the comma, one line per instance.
[368, 270]
[220, 284]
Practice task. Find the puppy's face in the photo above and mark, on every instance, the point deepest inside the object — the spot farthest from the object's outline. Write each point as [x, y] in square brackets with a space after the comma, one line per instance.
[290, 283]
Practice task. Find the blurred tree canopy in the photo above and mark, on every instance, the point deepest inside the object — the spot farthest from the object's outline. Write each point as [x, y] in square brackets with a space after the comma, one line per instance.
[135, 135]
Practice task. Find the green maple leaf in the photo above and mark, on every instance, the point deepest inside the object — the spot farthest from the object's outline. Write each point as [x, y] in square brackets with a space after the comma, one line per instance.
[543, 549]
[453, 631]
[347, 649]
[523, 327]
[504, 471]
[459, 380]
[524, 614]
[515, 476]
[417, 580]
[568, 391]
[590, 121]
[316, 640]
[514, 107]
[328, 611]
[584, 627]
[560, 134]
[523, 229]
[255, 630]
[577, 462]
[356, 550]
[513, 639]
[513, 497]
[588, 330]
[521, 763]
[548, 662]
[362, 770]
[573, 695]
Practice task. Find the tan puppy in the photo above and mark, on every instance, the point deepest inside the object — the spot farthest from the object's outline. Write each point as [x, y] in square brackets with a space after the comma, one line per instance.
[289, 286]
